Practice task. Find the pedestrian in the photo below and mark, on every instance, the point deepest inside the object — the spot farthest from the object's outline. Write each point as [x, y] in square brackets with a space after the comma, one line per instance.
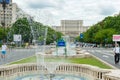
[4, 48]
[116, 53]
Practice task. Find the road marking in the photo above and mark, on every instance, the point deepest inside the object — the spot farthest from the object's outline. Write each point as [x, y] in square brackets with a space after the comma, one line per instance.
[105, 56]
[109, 53]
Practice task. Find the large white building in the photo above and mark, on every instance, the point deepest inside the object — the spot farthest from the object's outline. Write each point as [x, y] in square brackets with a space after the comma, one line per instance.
[71, 28]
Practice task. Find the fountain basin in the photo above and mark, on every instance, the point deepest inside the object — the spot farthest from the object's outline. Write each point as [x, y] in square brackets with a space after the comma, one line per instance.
[54, 77]
[24, 71]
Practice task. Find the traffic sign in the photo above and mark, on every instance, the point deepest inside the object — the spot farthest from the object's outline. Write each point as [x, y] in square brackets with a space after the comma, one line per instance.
[1, 1]
[5, 1]
[61, 43]
[81, 35]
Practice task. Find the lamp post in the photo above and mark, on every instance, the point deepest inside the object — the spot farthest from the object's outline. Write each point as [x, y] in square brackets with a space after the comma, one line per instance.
[4, 2]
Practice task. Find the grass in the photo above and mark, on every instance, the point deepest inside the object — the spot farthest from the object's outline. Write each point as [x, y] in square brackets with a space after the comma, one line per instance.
[91, 61]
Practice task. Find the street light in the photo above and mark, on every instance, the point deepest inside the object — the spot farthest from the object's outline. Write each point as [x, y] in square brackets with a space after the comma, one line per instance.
[4, 2]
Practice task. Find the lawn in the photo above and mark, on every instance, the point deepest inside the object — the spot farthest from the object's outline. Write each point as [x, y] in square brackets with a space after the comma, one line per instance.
[91, 61]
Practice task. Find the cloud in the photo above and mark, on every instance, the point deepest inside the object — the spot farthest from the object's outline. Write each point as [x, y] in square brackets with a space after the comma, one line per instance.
[107, 9]
[41, 4]
[90, 11]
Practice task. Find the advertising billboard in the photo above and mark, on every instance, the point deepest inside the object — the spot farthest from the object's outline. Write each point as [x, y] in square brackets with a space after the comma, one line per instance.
[17, 37]
[116, 37]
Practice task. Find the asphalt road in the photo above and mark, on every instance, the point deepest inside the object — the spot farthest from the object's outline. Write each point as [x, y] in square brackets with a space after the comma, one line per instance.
[105, 54]
[17, 54]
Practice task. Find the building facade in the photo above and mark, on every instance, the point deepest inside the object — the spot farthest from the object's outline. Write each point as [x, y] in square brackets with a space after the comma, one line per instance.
[71, 28]
[10, 14]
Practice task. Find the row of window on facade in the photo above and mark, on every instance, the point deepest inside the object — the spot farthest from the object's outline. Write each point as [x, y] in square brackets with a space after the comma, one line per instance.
[6, 12]
[8, 25]
[6, 18]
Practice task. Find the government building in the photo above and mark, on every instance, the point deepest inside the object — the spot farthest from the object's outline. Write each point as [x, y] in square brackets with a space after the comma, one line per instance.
[71, 28]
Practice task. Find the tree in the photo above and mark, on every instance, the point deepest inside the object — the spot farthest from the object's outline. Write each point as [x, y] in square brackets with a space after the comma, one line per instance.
[104, 36]
[22, 27]
[102, 31]
[32, 31]
[2, 33]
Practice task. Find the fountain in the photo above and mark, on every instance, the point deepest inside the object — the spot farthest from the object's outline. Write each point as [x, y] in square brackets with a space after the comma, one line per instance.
[42, 65]
[46, 65]
[67, 50]
[70, 47]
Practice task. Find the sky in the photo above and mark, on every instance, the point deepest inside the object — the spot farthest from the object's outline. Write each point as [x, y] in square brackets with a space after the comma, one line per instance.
[51, 12]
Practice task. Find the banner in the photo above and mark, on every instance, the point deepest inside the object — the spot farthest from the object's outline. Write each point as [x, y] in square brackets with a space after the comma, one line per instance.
[116, 37]
[17, 37]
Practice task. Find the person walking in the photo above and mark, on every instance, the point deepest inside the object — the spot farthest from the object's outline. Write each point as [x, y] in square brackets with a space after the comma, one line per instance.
[116, 53]
[4, 48]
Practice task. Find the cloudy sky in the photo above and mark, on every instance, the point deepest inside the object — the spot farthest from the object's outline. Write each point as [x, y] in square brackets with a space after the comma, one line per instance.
[52, 11]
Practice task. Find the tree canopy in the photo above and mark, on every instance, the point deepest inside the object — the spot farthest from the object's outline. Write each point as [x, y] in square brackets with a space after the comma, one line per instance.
[31, 30]
[103, 31]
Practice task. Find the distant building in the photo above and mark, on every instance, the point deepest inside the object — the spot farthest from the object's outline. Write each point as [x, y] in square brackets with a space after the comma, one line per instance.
[72, 28]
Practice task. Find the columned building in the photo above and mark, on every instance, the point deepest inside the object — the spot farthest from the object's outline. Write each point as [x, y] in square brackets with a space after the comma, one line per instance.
[71, 28]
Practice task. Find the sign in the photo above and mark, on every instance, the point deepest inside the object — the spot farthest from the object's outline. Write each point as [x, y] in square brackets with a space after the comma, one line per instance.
[81, 35]
[1, 1]
[61, 43]
[17, 37]
[6, 1]
[116, 37]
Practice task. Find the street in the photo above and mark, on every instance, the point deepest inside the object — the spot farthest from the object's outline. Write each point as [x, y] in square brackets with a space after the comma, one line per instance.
[105, 54]
[15, 54]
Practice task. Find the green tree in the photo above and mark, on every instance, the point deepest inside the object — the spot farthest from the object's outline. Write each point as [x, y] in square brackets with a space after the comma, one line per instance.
[2, 33]
[104, 36]
[102, 31]
[32, 30]
[22, 27]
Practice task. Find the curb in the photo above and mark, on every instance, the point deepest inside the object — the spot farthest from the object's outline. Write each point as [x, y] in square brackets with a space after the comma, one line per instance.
[104, 62]
[17, 60]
